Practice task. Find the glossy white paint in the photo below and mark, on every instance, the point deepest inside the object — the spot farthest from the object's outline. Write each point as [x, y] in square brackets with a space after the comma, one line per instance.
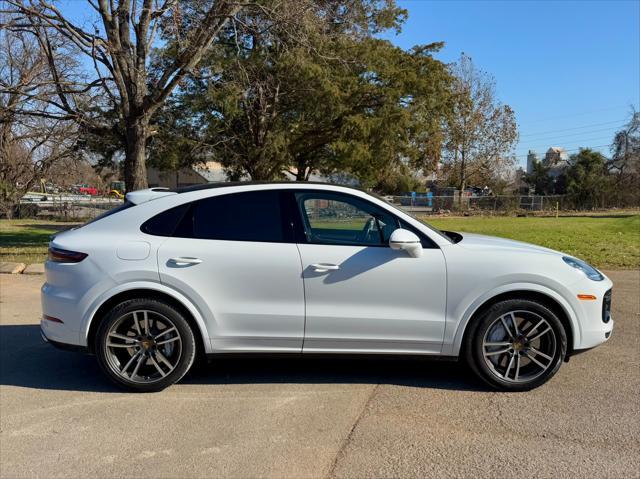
[251, 293]
[133, 250]
[287, 297]
[405, 240]
[379, 300]
[142, 196]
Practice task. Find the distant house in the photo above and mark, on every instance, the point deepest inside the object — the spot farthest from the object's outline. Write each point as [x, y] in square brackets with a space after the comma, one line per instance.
[557, 160]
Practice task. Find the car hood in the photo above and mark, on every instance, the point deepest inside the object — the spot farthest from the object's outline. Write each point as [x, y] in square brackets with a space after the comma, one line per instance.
[480, 242]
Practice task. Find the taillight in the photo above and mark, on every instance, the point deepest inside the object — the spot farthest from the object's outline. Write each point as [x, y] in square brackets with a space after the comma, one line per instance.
[58, 255]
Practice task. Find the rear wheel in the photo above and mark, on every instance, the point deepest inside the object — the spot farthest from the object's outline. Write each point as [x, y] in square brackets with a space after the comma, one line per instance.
[145, 345]
[516, 345]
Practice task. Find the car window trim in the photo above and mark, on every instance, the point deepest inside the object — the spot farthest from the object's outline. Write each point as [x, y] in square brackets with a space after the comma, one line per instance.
[306, 224]
[286, 222]
[427, 243]
[292, 219]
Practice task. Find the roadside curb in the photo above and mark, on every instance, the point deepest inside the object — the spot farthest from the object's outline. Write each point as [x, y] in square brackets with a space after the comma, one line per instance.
[21, 268]
[36, 268]
[12, 268]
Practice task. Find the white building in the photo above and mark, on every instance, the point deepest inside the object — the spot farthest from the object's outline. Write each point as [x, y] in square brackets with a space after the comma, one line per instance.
[532, 157]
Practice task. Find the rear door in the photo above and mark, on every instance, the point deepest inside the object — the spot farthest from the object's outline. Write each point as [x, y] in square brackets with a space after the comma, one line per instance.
[234, 255]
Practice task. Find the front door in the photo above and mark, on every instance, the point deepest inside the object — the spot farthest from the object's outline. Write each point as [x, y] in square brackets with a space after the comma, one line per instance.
[360, 295]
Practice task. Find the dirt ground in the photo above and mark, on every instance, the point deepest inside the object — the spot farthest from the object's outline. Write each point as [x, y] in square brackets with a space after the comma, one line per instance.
[315, 418]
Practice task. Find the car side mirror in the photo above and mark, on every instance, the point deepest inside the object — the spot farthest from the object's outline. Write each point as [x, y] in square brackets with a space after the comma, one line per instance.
[407, 241]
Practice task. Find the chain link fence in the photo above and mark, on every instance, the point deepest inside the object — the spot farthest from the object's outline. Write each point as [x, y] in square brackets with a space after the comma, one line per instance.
[82, 208]
[65, 207]
[502, 204]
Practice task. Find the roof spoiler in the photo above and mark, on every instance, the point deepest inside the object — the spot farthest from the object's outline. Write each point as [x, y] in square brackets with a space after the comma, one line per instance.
[142, 196]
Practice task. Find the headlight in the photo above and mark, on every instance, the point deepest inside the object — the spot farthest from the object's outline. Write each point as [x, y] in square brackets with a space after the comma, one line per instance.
[586, 268]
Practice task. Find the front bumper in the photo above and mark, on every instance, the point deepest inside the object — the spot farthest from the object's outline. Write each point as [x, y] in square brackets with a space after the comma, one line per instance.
[594, 316]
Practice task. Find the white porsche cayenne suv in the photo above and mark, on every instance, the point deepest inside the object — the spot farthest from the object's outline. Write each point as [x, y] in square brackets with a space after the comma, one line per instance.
[309, 268]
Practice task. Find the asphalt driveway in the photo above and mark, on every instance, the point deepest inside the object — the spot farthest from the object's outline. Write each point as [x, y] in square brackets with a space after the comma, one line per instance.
[315, 418]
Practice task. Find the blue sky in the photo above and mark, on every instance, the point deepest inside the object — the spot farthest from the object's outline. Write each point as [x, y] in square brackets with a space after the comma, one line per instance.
[570, 70]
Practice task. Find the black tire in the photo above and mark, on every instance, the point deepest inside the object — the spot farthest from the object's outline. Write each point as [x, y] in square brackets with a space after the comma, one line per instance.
[164, 315]
[490, 364]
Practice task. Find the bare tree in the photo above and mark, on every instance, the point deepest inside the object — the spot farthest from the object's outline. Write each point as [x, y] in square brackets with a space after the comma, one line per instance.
[119, 46]
[624, 165]
[625, 148]
[480, 131]
[29, 144]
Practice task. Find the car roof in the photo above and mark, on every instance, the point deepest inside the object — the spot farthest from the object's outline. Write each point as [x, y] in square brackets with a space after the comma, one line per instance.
[228, 184]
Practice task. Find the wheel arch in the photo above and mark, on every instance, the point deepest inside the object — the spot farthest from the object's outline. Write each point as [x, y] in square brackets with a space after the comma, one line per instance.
[554, 303]
[189, 312]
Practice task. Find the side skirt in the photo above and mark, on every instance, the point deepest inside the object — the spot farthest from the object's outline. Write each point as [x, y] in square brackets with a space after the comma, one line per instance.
[350, 356]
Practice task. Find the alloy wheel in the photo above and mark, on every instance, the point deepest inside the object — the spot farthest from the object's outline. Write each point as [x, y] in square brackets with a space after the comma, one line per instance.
[143, 346]
[519, 346]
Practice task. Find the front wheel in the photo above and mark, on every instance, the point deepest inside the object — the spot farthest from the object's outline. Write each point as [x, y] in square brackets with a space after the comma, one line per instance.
[145, 345]
[516, 345]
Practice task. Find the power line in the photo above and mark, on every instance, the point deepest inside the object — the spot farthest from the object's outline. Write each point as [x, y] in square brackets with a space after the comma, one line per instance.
[541, 138]
[576, 128]
[584, 140]
[576, 114]
[591, 147]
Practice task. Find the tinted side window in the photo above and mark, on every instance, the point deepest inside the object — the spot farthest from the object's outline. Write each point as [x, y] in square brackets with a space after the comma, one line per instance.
[165, 223]
[250, 216]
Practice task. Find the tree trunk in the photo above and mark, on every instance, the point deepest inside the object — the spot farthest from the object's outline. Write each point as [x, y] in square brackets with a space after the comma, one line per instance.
[258, 173]
[9, 203]
[301, 171]
[8, 207]
[463, 179]
[135, 169]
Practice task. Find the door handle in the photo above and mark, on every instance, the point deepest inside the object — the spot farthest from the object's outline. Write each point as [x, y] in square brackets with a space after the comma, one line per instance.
[185, 261]
[324, 267]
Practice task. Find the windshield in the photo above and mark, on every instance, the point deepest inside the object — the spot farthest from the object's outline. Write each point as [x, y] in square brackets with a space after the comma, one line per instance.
[435, 230]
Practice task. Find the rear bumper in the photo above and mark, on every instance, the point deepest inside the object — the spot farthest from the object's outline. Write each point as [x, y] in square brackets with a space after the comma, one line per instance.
[64, 346]
[68, 294]
[61, 303]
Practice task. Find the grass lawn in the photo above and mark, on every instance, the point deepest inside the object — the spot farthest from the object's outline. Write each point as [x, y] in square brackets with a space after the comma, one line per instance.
[26, 241]
[605, 241]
